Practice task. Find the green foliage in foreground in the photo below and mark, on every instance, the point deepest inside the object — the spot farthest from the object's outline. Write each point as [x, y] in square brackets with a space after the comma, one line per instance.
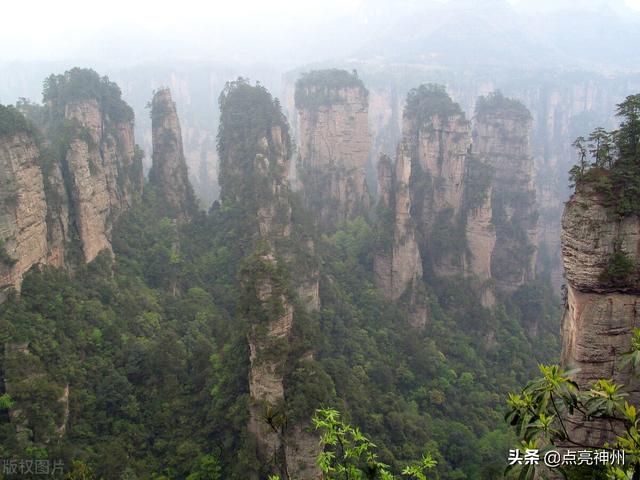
[349, 454]
[539, 416]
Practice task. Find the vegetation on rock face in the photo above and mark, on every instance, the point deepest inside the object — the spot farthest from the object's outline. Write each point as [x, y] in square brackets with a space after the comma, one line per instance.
[609, 162]
[81, 84]
[12, 121]
[5, 258]
[322, 87]
[248, 114]
[478, 179]
[153, 343]
[507, 107]
[619, 270]
[428, 101]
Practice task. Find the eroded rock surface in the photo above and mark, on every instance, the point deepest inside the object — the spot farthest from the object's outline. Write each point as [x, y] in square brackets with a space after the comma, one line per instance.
[169, 172]
[254, 177]
[599, 316]
[334, 144]
[23, 208]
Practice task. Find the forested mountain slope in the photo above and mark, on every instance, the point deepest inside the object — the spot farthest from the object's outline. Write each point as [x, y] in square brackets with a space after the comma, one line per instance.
[145, 362]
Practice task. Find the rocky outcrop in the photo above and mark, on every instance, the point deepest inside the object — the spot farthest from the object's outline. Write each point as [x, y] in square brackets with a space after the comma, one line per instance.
[439, 136]
[103, 172]
[255, 151]
[23, 208]
[599, 315]
[460, 202]
[169, 174]
[439, 142]
[62, 195]
[263, 289]
[481, 242]
[334, 144]
[385, 118]
[590, 237]
[398, 264]
[501, 142]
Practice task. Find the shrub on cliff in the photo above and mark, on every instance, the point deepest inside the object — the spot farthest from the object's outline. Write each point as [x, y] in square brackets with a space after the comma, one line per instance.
[496, 102]
[248, 114]
[322, 87]
[79, 84]
[430, 100]
[619, 269]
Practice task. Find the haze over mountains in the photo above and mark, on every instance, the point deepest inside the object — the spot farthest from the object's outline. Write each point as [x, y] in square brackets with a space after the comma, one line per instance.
[581, 33]
[216, 220]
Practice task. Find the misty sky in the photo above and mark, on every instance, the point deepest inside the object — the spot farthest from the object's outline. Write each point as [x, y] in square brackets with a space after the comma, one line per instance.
[132, 31]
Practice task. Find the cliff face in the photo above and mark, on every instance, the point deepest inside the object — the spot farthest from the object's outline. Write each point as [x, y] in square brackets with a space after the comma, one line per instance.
[563, 105]
[92, 173]
[254, 177]
[599, 317]
[501, 142]
[101, 169]
[266, 375]
[438, 136]
[439, 145]
[169, 172]
[460, 202]
[480, 233]
[67, 191]
[398, 264]
[23, 208]
[334, 144]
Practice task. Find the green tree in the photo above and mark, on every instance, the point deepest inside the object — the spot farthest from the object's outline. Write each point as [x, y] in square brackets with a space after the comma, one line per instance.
[350, 455]
[601, 148]
[629, 132]
[577, 172]
[538, 415]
